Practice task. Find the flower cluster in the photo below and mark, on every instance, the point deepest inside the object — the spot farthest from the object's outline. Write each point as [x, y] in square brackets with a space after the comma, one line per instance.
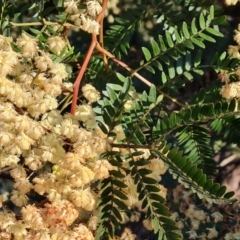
[235, 49]
[46, 151]
[55, 155]
[231, 2]
[112, 9]
[232, 90]
[157, 169]
[84, 19]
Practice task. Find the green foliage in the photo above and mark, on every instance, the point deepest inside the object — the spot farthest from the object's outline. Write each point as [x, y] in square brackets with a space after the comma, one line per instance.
[156, 211]
[171, 45]
[182, 139]
[195, 142]
[111, 196]
[188, 174]
[190, 166]
[117, 38]
[228, 128]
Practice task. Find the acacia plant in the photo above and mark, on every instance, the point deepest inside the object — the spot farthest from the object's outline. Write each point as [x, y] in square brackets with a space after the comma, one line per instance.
[82, 147]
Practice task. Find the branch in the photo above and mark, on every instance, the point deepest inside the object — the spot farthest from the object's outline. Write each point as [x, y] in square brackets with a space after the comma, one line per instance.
[86, 61]
[117, 145]
[105, 60]
[80, 74]
[134, 73]
[105, 53]
[44, 22]
[124, 65]
[5, 169]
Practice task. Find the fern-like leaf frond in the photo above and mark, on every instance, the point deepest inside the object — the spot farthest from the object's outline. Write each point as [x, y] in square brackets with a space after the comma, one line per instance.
[191, 177]
[195, 141]
[152, 202]
[171, 46]
[200, 113]
[117, 38]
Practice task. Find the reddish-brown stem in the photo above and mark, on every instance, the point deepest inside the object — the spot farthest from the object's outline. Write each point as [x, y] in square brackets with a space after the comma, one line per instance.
[101, 14]
[133, 73]
[80, 74]
[124, 65]
[5, 169]
[86, 61]
[105, 60]
[41, 204]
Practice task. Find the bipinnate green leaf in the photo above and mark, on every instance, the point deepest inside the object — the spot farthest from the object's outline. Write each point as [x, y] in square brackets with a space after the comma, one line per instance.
[148, 190]
[117, 174]
[152, 94]
[58, 3]
[121, 77]
[202, 21]
[169, 39]
[214, 32]
[193, 26]
[192, 175]
[146, 53]
[125, 89]
[207, 37]
[198, 58]
[185, 30]
[155, 47]
[211, 12]
[198, 42]
[102, 127]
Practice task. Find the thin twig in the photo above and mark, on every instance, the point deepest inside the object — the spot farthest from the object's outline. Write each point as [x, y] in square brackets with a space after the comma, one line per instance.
[227, 160]
[132, 71]
[124, 65]
[42, 203]
[5, 169]
[131, 146]
[101, 42]
[43, 22]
